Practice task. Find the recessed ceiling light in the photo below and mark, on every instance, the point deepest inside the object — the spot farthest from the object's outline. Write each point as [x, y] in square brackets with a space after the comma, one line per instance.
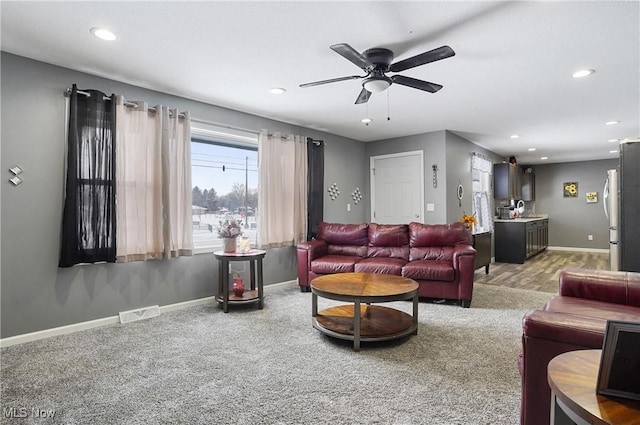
[277, 90]
[614, 151]
[611, 122]
[531, 149]
[514, 136]
[613, 140]
[544, 157]
[582, 73]
[103, 34]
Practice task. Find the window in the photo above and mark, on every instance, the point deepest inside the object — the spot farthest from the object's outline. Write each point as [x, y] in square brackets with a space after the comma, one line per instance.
[224, 177]
[481, 170]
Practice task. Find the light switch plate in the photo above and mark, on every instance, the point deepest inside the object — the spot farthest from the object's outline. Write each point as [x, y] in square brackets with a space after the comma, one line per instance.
[431, 207]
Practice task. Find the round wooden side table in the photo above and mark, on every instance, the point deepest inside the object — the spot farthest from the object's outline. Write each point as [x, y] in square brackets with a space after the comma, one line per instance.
[253, 295]
[573, 377]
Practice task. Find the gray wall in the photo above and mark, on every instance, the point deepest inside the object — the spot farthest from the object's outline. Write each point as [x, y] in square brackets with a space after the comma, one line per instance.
[36, 294]
[572, 219]
[458, 152]
[433, 146]
[452, 154]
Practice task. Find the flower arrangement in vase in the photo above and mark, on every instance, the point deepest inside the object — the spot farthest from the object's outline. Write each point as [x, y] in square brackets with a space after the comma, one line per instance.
[228, 231]
[469, 220]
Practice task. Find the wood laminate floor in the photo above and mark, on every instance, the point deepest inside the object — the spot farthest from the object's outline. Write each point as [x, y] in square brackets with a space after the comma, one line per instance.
[540, 273]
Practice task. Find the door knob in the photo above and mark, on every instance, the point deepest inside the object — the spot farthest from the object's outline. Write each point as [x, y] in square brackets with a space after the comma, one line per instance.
[417, 215]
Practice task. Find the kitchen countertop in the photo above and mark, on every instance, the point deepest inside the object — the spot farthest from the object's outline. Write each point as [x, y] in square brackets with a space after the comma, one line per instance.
[522, 219]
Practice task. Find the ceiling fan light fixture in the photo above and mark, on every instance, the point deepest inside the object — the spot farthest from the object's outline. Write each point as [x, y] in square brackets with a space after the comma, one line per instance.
[365, 120]
[582, 73]
[377, 84]
[104, 34]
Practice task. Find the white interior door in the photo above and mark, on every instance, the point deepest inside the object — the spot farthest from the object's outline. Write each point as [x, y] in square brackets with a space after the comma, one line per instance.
[397, 188]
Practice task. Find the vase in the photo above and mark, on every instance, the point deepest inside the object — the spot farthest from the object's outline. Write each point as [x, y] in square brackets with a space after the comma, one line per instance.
[229, 245]
[238, 287]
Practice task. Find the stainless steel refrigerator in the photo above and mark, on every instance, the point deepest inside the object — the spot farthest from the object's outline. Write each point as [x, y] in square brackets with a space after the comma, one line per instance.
[622, 206]
[610, 201]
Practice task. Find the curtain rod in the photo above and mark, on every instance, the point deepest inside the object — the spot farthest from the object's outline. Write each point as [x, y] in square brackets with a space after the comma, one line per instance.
[68, 91]
[316, 142]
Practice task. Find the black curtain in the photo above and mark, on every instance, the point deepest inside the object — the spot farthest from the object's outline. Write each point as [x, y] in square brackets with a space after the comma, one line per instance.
[315, 185]
[89, 216]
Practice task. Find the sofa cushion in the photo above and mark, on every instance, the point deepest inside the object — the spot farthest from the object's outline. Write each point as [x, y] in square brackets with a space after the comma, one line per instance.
[401, 252]
[380, 265]
[429, 270]
[434, 253]
[352, 250]
[334, 264]
[439, 234]
[343, 234]
[388, 234]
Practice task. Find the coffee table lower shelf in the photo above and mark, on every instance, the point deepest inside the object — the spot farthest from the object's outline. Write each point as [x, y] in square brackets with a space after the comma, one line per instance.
[377, 323]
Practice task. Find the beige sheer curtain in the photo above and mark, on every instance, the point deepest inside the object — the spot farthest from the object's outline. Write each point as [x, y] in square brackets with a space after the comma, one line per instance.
[282, 190]
[153, 182]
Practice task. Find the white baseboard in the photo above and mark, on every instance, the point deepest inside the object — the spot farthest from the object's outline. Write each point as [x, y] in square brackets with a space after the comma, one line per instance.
[571, 248]
[75, 327]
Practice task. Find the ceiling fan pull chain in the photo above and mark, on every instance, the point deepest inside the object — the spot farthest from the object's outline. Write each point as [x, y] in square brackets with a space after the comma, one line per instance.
[388, 115]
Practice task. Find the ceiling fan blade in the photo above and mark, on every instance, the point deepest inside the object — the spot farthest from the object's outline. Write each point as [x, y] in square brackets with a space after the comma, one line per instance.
[333, 80]
[423, 58]
[352, 55]
[416, 84]
[363, 97]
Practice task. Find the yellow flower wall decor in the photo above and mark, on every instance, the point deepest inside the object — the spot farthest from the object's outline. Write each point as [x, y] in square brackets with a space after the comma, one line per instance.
[570, 189]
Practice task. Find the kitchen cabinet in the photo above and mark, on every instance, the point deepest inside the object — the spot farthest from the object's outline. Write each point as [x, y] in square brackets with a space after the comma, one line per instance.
[519, 239]
[507, 181]
[482, 244]
[528, 182]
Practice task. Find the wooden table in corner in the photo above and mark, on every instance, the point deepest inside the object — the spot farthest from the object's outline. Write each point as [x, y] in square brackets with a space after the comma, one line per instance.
[361, 321]
[573, 378]
[254, 295]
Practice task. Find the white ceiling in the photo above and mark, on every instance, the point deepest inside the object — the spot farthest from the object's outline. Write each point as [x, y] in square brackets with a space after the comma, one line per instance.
[511, 73]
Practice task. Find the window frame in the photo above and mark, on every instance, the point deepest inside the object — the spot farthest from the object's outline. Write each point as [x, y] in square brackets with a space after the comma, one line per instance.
[222, 136]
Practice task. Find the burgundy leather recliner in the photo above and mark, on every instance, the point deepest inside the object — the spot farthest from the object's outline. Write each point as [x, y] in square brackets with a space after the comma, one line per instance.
[440, 257]
[573, 320]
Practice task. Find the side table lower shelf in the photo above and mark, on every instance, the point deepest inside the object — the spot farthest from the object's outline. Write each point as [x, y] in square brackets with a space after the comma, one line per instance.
[248, 297]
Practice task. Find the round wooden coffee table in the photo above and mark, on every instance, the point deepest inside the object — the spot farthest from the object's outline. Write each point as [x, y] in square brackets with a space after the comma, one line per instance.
[362, 321]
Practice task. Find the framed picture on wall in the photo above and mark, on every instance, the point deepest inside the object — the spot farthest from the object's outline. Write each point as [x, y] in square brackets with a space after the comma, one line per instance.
[619, 373]
[570, 189]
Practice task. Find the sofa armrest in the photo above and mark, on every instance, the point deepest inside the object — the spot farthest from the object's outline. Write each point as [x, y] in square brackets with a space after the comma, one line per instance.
[579, 331]
[315, 248]
[602, 285]
[464, 257]
[306, 253]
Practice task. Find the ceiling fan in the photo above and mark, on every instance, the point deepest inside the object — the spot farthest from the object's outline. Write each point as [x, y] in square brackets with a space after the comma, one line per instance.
[376, 63]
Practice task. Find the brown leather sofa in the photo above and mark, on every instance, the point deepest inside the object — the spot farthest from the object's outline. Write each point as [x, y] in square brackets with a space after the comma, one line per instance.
[439, 257]
[573, 320]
